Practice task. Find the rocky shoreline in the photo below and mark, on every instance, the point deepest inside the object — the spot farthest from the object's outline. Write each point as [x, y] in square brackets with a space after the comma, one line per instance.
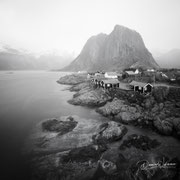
[108, 150]
[159, 111]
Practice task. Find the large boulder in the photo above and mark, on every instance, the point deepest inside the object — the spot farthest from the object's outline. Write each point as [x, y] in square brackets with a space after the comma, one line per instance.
[59, 126]
[108, 166]
[109, 132]
[109, 161]
[72, 79]
[113, 165]
[112, 108]
[167, 125]
[120, 111]
[83, 154]
[90, 97]
[140, 142]
[164, 126]
[128, 116]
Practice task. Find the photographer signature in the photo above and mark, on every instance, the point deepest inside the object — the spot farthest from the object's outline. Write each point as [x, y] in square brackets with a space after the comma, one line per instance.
[150, 168]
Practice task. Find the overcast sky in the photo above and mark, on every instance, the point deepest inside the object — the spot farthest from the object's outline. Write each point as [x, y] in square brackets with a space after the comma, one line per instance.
[65, 25]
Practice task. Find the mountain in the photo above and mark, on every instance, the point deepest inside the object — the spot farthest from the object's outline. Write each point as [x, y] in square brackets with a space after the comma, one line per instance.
[170, 59]
[122, 48]
[13, 59]
[53, 61]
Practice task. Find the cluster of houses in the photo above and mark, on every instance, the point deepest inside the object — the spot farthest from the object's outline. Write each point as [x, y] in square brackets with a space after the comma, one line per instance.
[109, 80]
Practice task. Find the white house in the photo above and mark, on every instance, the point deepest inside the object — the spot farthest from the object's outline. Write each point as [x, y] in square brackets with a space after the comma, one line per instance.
[132, 72]
[82, 72]
[98, 74]
[150, 70]
[112, 75]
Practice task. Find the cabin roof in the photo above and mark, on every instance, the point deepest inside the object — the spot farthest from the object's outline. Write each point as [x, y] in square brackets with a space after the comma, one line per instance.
[131, 72]
[150, 70]
[111, 73]
[130, 69]
[140, 84]
[110, 81]
[99, 78]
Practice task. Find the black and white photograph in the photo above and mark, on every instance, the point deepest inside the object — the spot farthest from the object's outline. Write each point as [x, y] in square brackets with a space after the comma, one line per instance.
[89, 89]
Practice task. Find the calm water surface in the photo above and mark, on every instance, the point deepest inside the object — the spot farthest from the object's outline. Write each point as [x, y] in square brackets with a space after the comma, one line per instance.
[27, 97]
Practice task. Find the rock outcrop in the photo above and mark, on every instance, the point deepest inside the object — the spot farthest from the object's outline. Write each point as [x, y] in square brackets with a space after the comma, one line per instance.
[159, 112]
[90, 97]
[84, 154]
[59, 126]
[168, 126]
[140, 142]
[104, 157]
[112, 162]
[119, 110]
[109, 132]
[61, 134]
[122, 48]
[72, 79]
[112, 108]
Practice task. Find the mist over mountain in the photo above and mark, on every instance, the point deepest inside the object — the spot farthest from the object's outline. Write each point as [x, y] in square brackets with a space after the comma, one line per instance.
[169, 59]
[156, 52]
[13, 59]
[122, 48]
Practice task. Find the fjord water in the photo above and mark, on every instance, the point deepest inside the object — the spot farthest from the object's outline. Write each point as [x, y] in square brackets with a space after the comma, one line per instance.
[27, 97]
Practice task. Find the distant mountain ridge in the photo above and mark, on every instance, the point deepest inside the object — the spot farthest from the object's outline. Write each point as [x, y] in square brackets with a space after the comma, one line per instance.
[122, 48]
[13, 59]
[170, 59]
